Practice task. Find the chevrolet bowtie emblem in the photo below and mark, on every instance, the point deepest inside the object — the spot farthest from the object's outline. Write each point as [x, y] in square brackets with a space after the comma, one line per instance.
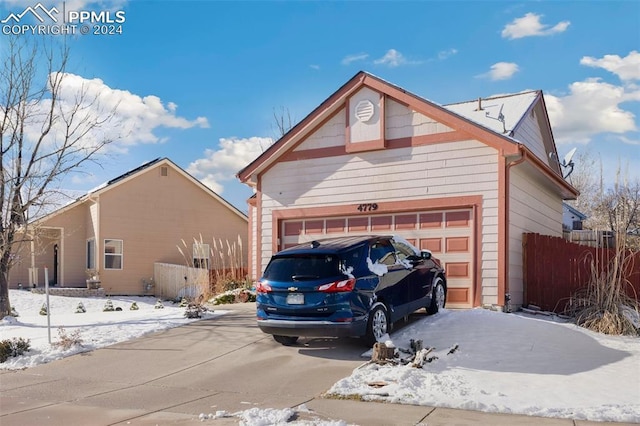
[293, 288]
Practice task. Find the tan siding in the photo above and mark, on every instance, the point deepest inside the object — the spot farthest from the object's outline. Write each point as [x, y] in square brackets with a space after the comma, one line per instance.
[529, 133]
[69, 232]
[331, 134]
[152, 214]
[388, 175]
[402, 122]
[532, 208]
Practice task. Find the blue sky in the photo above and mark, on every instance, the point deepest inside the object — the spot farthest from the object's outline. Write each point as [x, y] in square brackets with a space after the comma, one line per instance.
[199, 81]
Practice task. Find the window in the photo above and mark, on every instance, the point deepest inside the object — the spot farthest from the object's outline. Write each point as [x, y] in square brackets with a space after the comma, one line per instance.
[91, 254]
[383, 252]
[303, 267]
[201, 256]
[403, 251]
[113, 254]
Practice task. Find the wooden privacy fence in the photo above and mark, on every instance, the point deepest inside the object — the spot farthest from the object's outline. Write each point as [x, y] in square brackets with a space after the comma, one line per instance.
[172, 281]
[555, 268]
[176, 281]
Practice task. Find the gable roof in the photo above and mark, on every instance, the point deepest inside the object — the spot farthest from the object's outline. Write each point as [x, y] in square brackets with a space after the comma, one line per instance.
[461, 116]
[502, 114]
[131, 174]
[574, 211]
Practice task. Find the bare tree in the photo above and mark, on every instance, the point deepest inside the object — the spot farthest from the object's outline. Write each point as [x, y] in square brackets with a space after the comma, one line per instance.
[283, 121]
[615, 207]
[47, 130]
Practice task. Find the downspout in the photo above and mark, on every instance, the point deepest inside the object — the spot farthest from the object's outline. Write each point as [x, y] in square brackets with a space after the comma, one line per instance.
[522, 157]
[96, 200]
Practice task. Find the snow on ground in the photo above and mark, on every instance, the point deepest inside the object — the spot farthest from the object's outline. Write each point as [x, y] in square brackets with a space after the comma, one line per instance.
[96, 328]
[504, 363]
[509, 363]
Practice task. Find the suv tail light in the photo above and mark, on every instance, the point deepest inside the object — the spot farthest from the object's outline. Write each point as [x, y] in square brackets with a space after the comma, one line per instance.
[263, 287]
[338, 286]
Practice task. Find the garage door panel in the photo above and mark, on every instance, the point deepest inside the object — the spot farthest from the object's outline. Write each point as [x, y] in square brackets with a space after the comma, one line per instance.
[458, 295]
[313, 226]
[293, 228]
[358, 224]
[405, 222]
[457, 270]
[457, 219]
[434, 245]
[430, 220]
[335, 226]
[381, 223]
[457, 245]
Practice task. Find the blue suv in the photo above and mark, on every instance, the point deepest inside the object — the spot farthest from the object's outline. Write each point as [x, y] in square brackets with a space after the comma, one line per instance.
[347, 286]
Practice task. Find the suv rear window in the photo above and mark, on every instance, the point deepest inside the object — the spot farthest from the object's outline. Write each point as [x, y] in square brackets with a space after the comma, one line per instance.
[302, 267]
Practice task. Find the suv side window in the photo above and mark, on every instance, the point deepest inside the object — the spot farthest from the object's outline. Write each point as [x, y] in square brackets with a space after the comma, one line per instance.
[402, 251]
[382, 252]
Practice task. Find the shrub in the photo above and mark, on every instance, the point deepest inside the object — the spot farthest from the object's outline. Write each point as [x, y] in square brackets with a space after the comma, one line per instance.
[604, 305]
[13, 347]
[67, 341]
[108, 306]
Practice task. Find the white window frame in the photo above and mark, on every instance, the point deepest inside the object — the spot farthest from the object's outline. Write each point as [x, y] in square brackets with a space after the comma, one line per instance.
[201, 255]
[121, 254]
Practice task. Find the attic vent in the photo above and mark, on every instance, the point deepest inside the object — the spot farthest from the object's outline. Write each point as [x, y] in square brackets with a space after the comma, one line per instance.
[164, 171]
[364, 110]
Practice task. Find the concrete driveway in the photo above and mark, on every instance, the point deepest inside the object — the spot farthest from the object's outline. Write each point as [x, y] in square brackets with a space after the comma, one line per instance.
[226, 363]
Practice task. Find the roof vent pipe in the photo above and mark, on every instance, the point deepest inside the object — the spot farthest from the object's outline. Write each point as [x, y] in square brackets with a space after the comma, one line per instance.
[479, 104]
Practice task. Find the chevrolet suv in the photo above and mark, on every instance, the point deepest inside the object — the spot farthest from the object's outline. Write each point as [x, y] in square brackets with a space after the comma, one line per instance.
[354, 286]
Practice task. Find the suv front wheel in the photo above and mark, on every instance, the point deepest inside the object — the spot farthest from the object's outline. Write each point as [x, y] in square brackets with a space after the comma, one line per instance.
[438, 297]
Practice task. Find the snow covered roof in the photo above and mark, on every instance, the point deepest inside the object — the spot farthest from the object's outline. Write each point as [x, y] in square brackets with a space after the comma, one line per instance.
[501, 114]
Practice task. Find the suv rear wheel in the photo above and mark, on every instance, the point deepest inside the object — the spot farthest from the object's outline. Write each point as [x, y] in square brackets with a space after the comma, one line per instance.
[285, 340]
[378, 324]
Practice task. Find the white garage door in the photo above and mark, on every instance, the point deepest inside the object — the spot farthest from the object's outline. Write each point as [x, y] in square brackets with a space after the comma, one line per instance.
[448, 234]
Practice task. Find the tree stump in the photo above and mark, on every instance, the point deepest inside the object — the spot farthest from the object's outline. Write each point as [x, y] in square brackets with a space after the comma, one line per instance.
[381, 352]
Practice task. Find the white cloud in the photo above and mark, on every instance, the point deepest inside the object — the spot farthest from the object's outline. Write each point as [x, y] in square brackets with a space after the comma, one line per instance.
[530, 25]
[137, 117]
[627, 68]
[224, 163]
[100, 113]
[444, 54]
[314, 66]
[393, 59]
[501, 71]
[354, 58]
[592, 107]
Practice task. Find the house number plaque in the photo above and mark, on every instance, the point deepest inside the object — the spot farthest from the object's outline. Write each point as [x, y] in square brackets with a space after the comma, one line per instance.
[369, 207]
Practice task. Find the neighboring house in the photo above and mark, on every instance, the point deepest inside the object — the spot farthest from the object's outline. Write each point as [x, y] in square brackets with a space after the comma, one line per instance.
[123, 227]
[571, 218]
[464, 181]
